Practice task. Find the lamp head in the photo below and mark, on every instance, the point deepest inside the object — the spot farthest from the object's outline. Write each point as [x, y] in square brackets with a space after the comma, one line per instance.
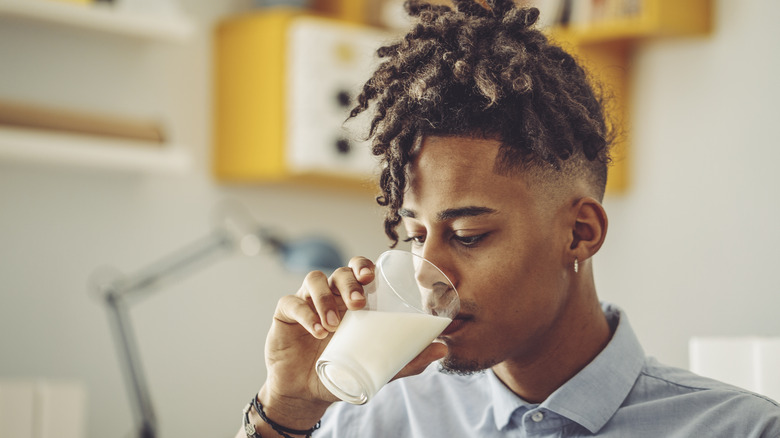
[306, 254]
[311, 253]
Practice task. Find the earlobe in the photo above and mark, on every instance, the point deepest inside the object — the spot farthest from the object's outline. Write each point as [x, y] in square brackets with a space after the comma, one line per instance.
[589, 228]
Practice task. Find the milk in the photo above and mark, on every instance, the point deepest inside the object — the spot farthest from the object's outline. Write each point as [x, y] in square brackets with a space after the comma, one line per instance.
[370, 347]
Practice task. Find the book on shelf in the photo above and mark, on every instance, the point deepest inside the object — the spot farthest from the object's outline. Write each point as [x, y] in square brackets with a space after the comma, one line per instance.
[80, 2]
[31, 116]
[582, 12]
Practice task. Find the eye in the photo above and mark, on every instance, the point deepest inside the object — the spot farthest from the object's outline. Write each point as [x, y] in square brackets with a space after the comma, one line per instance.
[469, 240]
[416, 240]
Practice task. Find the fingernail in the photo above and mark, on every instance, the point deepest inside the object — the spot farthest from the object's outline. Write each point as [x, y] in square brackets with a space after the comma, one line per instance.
[318, 328]
[333, 319]
[356, 296]
[365, 271]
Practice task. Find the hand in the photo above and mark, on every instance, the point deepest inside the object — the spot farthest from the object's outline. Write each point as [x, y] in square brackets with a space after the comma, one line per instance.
[302, 326]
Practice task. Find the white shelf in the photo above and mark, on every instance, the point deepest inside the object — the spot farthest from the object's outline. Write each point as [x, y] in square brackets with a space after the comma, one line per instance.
[50, 147]
[99, 18]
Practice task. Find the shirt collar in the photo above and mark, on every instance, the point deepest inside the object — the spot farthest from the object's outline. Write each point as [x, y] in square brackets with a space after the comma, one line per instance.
[505, 402]
[591, 397]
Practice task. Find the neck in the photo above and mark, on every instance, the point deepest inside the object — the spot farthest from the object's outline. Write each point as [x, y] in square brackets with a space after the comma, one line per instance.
[578, 336]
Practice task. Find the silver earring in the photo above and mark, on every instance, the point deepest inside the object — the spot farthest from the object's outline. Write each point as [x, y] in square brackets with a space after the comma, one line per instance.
[576, 265]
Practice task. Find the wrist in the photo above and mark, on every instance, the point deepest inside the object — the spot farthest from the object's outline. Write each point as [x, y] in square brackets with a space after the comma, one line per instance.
[291, 413]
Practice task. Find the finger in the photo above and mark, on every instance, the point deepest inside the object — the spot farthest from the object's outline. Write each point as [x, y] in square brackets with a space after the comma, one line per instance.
[292, 309]
[433, 352]
[344, 283]
[317, 288]
[363, 272]
[363, 269]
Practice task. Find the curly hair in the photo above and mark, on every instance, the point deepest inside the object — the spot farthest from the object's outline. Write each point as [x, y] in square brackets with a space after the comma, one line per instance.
[481, 69]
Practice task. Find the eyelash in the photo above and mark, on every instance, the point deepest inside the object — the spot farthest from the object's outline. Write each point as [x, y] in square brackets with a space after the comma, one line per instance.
[470, 240]
[467, 241]
[415, 239]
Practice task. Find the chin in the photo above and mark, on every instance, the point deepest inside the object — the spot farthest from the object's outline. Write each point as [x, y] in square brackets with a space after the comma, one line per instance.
[453, 364]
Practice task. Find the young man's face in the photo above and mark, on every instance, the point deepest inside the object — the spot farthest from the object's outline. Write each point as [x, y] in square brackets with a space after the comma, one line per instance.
[502, 249]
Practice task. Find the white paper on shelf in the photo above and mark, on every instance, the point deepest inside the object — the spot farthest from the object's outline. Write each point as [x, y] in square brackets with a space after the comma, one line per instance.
[42, 409]
[750, 362]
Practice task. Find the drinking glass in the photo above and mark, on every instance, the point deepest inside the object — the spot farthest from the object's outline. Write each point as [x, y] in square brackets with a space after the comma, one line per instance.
[409, 303]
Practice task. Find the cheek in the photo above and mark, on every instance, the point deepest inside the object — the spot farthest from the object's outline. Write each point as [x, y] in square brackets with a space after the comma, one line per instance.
[491, 279]
[514, 270]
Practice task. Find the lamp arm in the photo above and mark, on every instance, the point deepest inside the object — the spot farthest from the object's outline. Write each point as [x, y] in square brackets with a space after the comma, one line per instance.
[131, 367]
[235, 229]
[175, 264]
[115, 295]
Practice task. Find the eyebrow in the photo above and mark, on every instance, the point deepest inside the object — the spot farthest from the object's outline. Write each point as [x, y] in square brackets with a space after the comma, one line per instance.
[452, 213]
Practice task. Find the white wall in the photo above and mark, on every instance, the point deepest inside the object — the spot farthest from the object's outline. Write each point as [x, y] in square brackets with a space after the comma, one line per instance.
[691, 247]
[202, 338]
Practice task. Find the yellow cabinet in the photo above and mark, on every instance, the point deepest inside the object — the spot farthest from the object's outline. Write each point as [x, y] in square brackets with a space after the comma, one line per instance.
[285, 82]
[640, 19]
[606, 46]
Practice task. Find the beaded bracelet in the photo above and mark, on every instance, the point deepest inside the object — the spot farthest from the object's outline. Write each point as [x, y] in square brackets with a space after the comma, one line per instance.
[251, 430]
[279, 428]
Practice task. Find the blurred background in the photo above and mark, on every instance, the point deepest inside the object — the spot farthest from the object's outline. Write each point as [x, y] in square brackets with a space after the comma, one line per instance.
[691, 249]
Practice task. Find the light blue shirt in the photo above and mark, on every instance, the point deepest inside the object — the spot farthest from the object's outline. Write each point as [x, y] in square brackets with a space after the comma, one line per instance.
[621, 393]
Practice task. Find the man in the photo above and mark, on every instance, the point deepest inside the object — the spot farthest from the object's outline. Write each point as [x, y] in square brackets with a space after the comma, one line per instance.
[495, 153]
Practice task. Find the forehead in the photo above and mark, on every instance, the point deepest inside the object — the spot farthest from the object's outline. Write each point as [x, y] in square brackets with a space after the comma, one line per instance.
[457, 171]
[458, 151]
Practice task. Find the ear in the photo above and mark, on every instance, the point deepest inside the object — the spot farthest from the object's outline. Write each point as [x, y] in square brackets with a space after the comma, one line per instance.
[589, 228]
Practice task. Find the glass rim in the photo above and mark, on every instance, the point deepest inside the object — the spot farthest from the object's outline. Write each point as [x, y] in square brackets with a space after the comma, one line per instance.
[389, 253]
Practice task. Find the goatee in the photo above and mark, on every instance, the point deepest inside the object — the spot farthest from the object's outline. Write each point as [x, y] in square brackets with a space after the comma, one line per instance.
[463, 367]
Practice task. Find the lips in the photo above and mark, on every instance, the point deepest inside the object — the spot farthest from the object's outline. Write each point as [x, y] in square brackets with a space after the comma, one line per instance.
[455, 325]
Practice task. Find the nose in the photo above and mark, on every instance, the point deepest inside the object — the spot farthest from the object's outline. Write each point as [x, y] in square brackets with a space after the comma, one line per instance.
[434, 251]
[427, 275]
[438, 294]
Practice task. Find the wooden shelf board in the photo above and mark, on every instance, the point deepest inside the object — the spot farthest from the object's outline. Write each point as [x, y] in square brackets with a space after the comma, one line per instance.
[50, 147]
[99, 18]
[608, 32]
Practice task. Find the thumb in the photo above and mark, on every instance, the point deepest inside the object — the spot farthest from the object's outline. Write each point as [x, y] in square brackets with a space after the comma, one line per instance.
[433, 352]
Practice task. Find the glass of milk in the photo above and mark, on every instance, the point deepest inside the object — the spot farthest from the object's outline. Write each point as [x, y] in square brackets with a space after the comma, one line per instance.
[409, 303]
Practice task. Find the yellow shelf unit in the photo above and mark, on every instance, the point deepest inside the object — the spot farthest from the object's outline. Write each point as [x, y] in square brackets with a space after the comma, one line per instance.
[606, 47]
[284, 82]
[654, 18]
[249, 102]
[250, 82]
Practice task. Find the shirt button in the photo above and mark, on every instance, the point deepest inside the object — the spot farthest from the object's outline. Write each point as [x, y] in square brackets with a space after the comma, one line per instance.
[537, 417]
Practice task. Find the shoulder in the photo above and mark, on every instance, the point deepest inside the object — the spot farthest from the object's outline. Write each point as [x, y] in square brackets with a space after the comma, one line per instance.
[698, 402]
[667, 381]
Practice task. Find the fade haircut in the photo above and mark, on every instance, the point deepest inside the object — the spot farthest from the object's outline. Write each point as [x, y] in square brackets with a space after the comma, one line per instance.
[482, 69]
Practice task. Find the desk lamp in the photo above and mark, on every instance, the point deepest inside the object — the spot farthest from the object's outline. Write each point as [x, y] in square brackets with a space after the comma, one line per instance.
[234, 230]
